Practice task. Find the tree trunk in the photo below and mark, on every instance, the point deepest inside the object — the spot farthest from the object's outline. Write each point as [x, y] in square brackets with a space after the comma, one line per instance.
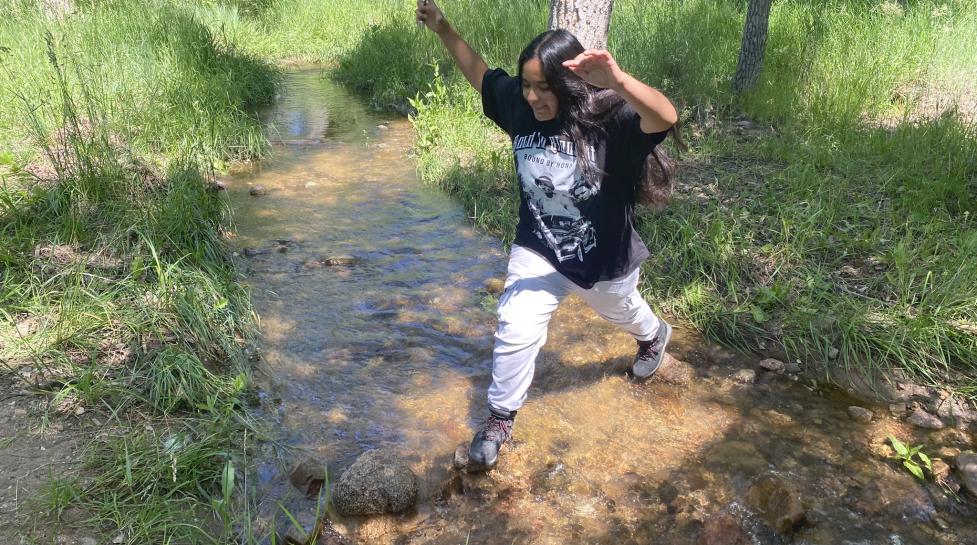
[588, 20]
[752, 48]
[58, 9]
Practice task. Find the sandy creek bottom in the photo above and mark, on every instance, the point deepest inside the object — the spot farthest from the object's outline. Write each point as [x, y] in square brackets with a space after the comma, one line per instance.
[377, 333]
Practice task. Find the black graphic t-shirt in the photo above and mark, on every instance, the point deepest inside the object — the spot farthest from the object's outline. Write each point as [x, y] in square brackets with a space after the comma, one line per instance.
[584, 228]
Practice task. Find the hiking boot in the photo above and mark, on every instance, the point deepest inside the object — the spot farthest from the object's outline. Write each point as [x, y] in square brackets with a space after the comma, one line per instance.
[494, 431]
[651, 353]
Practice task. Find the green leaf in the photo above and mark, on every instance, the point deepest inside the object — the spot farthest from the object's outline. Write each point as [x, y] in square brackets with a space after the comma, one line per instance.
[759, 316]
[227, 481]
[914, 468]
[128, 465]
[901, 449]
[926, 461]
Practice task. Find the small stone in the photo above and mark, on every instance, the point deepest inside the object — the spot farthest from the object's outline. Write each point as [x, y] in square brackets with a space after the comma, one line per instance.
[793, 367]
[897, 409]
[745, 376]
[461, 460]
[948, 453]
[383, 127]
[773, 365]
[495, 286]
[119, 539]
[860, 414]
[308, 476]
[967, 469]
[923, 419]
[310, 184]
[339, 261]
[258, 190]
[18, 412]
[253, 252]
[722, 529]
[941, 470]
[833, 353]
[79, 410]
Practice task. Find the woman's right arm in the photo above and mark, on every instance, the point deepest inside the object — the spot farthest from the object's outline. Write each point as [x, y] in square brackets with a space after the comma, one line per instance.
[468, 61]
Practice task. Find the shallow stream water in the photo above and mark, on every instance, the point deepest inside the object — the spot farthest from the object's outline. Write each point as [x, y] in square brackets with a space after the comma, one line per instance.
[377, 333]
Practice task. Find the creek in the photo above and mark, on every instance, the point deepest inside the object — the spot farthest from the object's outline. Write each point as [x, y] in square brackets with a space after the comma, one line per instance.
[377, 333]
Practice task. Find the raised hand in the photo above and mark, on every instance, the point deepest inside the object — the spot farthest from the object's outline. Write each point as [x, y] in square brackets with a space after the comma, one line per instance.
[598, 68]
[429, 14]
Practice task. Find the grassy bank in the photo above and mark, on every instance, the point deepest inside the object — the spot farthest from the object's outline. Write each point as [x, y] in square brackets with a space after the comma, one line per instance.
[118, 296]
[837, 230]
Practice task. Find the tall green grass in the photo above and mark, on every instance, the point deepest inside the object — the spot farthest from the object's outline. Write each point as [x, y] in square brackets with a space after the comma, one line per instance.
[113, 248]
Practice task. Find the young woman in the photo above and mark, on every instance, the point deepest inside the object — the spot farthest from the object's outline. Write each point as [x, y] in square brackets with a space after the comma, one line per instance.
[581, 131]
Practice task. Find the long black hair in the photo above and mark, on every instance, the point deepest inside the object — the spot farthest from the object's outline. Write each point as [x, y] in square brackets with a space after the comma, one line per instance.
[582, 110]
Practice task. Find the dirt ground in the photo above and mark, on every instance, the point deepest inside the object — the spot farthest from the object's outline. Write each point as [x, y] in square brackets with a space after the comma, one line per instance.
[34, 445]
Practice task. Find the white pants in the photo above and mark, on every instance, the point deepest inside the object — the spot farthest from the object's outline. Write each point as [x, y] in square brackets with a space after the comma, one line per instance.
[533, 290]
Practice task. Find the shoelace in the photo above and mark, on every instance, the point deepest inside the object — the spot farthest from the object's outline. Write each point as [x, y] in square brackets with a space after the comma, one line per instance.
[497, 428]
[648, 351]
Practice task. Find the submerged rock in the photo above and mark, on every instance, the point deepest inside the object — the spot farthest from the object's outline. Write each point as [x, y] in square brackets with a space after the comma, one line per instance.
[777, 502]
[308, 476]
[722, 529]
[745, 376]
[674, 371]
[375, 484]
[897, 495]
[860, 414]
[967, 468]
[258, 190]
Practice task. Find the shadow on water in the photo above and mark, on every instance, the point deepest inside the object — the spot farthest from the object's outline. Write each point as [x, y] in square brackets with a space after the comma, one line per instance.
[377, 334]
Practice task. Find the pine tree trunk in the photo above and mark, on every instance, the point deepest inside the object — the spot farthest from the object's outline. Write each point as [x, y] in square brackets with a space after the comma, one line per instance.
[588, 20]
[752, 48]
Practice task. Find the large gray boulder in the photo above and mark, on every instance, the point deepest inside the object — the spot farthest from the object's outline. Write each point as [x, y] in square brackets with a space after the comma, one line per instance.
[375, 484]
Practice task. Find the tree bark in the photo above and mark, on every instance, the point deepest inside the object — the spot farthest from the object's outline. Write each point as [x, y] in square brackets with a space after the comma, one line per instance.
[588, 20]
[753, 46]
[58, 9]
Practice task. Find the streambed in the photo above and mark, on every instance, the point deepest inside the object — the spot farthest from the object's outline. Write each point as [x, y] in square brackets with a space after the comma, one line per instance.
[377, 333]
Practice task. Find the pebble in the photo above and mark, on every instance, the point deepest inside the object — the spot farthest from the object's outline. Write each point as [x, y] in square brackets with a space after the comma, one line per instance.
[745, 376]
[923, 419]
[258, 191]
[967, 468]
[860, 414]
[774, 365]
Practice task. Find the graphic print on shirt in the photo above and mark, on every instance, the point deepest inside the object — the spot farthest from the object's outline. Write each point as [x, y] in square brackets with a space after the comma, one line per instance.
[556, 193]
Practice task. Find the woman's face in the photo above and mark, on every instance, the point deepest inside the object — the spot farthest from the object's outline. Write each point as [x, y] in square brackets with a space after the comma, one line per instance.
[537, 92]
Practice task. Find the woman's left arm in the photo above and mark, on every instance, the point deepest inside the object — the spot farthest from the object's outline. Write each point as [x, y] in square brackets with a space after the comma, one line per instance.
[598, 68]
